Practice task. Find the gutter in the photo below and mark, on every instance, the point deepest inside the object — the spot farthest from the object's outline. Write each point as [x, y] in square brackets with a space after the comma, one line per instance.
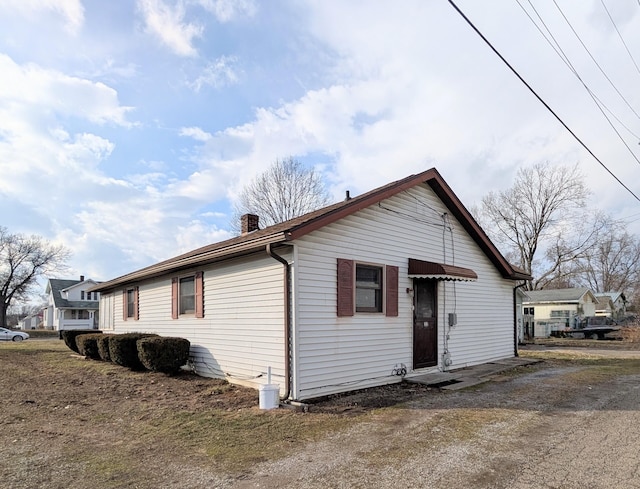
[190, 259]
[515, 320]
[287, 319]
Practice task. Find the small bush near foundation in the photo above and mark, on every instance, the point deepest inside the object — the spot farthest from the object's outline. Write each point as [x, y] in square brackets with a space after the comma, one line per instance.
[103, 347]
[163, 354]
[88, 345]
[69, 336]
[123, 350]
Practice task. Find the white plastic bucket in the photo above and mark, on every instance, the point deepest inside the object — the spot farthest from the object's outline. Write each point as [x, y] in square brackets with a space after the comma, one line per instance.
[269, 396]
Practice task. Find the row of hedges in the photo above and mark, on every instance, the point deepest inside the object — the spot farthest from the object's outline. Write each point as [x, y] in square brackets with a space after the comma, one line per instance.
[137, 351]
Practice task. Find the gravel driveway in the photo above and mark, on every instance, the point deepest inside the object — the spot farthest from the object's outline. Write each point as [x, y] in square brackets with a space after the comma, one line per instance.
[559, 425]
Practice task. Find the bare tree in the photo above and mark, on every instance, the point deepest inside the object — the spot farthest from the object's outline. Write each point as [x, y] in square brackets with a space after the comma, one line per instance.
[543, 210]
[613, 264]
[284, 191]
[23, 259]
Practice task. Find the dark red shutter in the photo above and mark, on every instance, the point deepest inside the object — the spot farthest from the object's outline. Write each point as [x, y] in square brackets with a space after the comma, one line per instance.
[124, 305]
[392, 290]
[136, 303]
[345, 287]
[199, 295]
[174, 298]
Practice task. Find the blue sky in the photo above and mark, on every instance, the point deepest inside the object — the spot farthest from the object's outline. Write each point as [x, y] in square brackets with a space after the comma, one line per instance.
[127, 128]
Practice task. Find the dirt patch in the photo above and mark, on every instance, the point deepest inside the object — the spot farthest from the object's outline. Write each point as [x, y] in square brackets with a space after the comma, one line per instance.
[73, 423]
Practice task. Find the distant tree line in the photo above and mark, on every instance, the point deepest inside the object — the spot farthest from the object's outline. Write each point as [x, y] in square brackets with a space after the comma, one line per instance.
[542, 223]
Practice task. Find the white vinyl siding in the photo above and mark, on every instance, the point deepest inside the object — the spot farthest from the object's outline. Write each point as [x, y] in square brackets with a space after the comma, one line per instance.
[107, 309]
[344, 353]
[242, 332]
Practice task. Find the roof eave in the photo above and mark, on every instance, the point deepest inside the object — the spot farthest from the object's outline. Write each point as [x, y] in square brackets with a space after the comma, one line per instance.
[173, 265]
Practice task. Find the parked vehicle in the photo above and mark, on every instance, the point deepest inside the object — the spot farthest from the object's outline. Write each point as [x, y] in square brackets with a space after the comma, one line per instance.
[596, 327]
[9, 335]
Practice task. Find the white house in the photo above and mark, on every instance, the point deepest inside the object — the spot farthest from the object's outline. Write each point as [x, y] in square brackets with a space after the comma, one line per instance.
[398, 281]
[32, 321]
[558, 309]
[70, 304]
[616, 308]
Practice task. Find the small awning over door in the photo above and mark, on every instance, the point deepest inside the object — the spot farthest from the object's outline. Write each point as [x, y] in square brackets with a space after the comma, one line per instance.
[439, 271]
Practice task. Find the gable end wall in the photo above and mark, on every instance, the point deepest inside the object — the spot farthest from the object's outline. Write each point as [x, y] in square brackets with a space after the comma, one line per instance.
[337, 354]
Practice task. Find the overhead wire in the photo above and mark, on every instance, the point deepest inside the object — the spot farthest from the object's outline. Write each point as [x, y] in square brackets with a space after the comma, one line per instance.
[594, 60]
[561, 53]
[555, 45]
[540, 99]
[620, 35]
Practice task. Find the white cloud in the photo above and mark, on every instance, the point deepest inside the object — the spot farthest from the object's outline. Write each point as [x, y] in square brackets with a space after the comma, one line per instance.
[386, 115]
[195, 133]
[71, 11]
[217, 74]
[227, 10]
[196, 233]
[168, 24]
[30, 86]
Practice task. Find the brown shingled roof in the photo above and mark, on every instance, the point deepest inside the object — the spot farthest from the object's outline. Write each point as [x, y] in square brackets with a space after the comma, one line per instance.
[300, 226]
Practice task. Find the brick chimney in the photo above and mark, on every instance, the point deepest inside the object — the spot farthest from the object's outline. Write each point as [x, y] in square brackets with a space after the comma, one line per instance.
[81, 278]
[249, 223]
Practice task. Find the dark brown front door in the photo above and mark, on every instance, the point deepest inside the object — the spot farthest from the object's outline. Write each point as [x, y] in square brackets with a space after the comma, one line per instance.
[425, 326]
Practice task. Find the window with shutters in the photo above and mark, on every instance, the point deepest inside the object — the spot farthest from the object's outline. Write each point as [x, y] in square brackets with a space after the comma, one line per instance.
[366, 288]
[187, 296]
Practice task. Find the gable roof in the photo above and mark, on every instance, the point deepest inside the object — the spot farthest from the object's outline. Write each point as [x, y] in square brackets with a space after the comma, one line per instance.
[559, 295]
[57, 286]
[300, 226]
[604, 300]
[614, 296]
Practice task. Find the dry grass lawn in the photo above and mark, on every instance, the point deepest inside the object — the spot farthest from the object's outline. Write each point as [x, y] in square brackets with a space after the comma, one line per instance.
[67, 422]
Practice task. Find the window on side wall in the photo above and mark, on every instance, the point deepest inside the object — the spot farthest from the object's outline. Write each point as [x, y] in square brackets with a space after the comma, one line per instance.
[368, 288]
[131, 303]
[187, 296]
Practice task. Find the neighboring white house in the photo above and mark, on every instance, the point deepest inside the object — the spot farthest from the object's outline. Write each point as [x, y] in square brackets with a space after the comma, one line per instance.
[521, 318]
[605, 306]
[71, 305]
[31, 321]
[615, 307]
[400, 280]
[557, 309]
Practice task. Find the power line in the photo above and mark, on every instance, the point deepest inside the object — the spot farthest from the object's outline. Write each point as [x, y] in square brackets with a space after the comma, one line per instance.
[620, 35]
[540, 99]
[563, 56]
[594, 59]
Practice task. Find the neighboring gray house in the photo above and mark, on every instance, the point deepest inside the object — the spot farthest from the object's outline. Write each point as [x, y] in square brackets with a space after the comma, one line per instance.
[557, 309]
[71, 305]
[398, 281]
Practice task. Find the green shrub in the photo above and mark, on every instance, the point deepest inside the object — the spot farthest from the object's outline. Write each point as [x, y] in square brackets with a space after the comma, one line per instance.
[163, 354]
[69, 336]
[88, 345]
[123, 350]
[103, 347]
